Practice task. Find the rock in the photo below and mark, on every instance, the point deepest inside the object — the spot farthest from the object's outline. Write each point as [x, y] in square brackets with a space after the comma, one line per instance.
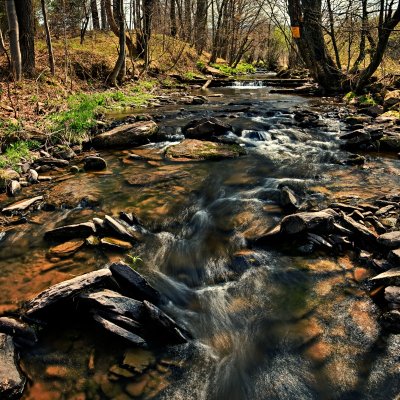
[361, 232]
[92, 163]
[391, 99]
[390, 142]
[118, 228]
[13, 187]
[52, 162]
[22, 205]
[121, 332]
[21, 332]
[385, 210]
[138, 360]
[159, 322]
[65, 290]
[57, 371]
[115, 244]
[392, 296]
[357, 119]
[66, 249]
[92, 241]
[373, 111]
[148, 179]
[83, 230]
[7, 175]
[74, 169]
[121, 372]
[205, 128]
[390, 240]
[392, 275]
[133, 284]
[394, 256]
[114, 303]
[355, 159]
[319, 221]
[33, 176]
[129, 135]
[11, 380]
[196, 150]
[391, 320]
[288, 199]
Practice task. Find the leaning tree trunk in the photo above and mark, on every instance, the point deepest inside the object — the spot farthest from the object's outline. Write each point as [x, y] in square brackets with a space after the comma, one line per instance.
[16, 59]
[95, 15]
[26, 23]
[119, 69]
[48, 39]
[308, 17]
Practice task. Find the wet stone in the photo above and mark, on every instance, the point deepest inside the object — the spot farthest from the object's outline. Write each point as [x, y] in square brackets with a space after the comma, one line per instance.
[82, 230]
[11, 381]
[22, 205]
[390, 240]
[20, 331]
[93, 163]
[66, 249]
[115, 244]
[138, 359]
[122, 372]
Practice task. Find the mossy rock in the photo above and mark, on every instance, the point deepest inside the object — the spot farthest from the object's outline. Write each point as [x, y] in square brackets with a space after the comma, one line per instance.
[7, 175]
[198, 150]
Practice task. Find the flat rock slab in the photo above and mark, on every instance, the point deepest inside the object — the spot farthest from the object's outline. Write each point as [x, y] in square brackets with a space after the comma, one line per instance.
[392, 296]
[11, 381]
[148, 179]
[205, 127]
[321, 221]
[391, 274]
[390, 240]
[133, 284]
[66, 249]
[118, 227]
[115, 244]
[394, 256]
[113, 302]
[66, 289]
[18, 329]
[129, 135]
[198, 150]
[121, 332]
[82, 230]
[22, 205]
[359, 230]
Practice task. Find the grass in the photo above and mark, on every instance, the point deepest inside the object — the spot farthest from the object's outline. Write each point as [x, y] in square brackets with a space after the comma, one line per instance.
[241, 69]
[17, 152]
[364, 100]
[83, 109]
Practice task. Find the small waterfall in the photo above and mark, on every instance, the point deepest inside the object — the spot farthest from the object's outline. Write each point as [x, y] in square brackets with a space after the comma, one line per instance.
[253, 84]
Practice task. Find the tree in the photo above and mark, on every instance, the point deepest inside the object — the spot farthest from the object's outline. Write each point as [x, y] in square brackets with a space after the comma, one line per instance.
[26, 23]
[48, 38]
[104, 24]
[95, 14]
[16, 59]
[119, 69]
[200, 25]
[306, 16]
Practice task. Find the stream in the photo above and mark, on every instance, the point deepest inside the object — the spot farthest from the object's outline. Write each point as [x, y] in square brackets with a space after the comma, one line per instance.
[267, 324]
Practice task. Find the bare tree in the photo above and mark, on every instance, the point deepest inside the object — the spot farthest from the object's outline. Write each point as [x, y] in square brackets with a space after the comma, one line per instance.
[119, 69]
[16, 59]
[95, 15]
[48, 38]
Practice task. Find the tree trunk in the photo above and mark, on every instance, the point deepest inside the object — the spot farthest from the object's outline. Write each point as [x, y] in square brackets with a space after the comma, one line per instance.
[48, 39]
[172, 17]
[16, 59]
[26, 23]
[116, 30]
[148, 7]
[95, 15]
[104, 23]
[200, 26]
[119, 69]
[307, 16]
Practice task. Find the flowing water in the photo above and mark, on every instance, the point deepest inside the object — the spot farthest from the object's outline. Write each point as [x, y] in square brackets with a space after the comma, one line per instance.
[267, 324]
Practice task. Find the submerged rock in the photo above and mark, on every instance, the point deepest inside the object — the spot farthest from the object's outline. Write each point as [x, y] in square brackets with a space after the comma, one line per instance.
[22, 205]
[21, 332]
[148, 179]
[66, 249]
[115, 244]
[133, 284]
[129, 135]
[11, 380]
[197, 150]
[65, 290]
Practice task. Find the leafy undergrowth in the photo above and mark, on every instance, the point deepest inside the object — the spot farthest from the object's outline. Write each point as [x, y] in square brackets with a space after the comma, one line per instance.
[242, 68]
[18, 152]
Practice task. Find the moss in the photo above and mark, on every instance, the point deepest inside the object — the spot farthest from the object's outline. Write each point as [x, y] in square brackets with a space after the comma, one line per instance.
[242, 68]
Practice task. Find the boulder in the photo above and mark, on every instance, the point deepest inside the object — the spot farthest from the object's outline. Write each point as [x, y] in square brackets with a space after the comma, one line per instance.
[66, 290]
[319, 221]
[33, 176]
[13, 188]
[11, 380]
[83, 230]
[7, 175]
[197, 150]
[119, 228]
[205, 128]
[129, 135]
[390, 142]
[391, 320]
[392, 275]
[390, 240]
[357, 119]
[394, 256]
[360, 231]
[288, 199]
[133, 284]
[391, 99]
[93, 163]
